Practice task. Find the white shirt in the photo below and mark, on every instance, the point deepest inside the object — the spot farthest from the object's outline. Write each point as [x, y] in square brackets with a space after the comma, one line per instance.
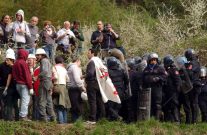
[65, 39]
[60, 74]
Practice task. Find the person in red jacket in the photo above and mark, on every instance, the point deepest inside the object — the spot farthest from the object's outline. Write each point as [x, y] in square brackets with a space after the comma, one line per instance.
[23, 78]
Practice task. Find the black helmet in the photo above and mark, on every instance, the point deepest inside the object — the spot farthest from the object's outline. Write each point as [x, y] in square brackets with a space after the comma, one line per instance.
[131, 63]
[168, 60]
[112, 62]
[152, 56]
[137, 59]
[189, 54]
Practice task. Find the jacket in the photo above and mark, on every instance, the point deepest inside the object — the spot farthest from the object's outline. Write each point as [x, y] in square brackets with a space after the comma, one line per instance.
[20, 71]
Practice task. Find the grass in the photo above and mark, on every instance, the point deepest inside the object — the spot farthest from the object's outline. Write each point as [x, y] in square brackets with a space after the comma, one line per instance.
[103, 127]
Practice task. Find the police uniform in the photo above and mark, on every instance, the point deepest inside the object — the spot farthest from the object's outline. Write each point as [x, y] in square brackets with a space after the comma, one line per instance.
[171, 92]
[154, 77]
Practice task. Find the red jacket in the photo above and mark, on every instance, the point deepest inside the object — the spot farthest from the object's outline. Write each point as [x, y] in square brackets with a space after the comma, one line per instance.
[36, 83]
[20, 71]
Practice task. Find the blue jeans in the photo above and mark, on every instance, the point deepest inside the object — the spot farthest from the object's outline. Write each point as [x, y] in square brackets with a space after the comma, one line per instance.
[50, 51]
[25, 98]
[61, 114]
[31, 50]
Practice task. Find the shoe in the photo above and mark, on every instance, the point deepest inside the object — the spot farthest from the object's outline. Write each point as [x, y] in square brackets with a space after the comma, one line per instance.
[91, 122]
[24, 119]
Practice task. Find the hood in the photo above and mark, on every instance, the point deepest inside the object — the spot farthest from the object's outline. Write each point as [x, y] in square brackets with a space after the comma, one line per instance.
[21, 12]
[22, 54]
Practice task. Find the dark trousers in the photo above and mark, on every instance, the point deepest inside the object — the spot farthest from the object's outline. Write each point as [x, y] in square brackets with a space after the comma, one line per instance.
[156, 102]
[76, 102]
[203, 105]
[112, 110]
[133, 108]
[35, 108]
[96, 105]
[10, 104]
[190, 106]
[171, 108]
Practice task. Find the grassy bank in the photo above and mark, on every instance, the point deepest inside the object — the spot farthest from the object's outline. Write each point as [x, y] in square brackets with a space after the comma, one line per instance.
[103, 127]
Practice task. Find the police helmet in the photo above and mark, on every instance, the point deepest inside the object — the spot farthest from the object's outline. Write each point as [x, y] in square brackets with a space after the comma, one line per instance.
[112, 62]
[203, 72]
[181, 61]
[131, 63]
[137, 59]
[168, 60]
[189, 53]
[152, 56]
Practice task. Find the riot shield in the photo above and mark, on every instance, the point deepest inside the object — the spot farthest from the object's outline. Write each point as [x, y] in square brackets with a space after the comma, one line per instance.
[144, 104]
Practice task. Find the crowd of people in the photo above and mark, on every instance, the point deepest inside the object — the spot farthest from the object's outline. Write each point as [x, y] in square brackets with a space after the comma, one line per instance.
[37, 84]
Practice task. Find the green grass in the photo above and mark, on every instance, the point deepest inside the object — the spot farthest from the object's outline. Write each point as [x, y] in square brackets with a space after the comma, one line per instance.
[103, 127]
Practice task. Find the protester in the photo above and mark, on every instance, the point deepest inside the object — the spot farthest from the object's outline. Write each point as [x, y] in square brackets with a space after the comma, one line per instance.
[20, 30]
[31, 61]
[5, 20]
[76, 86]
[45, 88]
[48, 37]
[97, 36]
[60, 98]
[65, 36]
[96, 105]
[23, 78]
[34, 35]
[79, 35]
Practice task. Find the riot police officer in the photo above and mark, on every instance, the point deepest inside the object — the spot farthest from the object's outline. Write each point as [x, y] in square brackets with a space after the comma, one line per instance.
[120, 81]
[202, 100]
[171, 91]
[193, 69]
[186, 87]
[154, 77]
[135, 80]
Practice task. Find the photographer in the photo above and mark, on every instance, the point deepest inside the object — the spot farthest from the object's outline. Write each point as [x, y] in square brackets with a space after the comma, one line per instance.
[48, 36]
[79, 35]
[109, 38]
[64, 36]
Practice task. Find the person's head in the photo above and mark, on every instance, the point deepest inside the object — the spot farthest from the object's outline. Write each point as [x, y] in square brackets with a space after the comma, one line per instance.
[153, 58]
[76, 60]
[190, 54]
[31, 60]
[76, 24]
[20, 15]
[59, 60]
[34, 21]
[67, 25]
[40, 54]
[181, 61]
[10, 57]
[47, 24]
[108, 26]
[5, 19]
[91, 53]
[100, 25]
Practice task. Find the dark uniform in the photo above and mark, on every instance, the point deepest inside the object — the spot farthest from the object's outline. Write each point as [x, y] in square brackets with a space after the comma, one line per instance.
[171, 92]
[193, 69]
[186, 87]
[154, 77]
[96, 44]
[120, 81]
[202, 100]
